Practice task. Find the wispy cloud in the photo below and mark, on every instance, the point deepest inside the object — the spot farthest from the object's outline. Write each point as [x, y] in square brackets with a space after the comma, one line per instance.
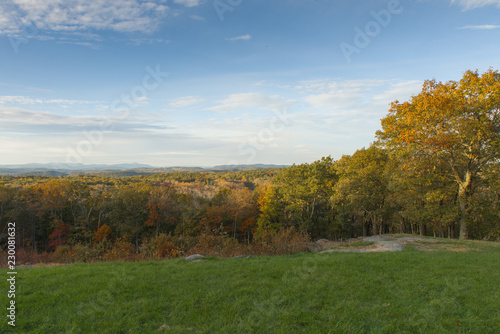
[197, 18]
[29, 100]
[149, 41]
[355, 96]
[472, 4]
[186, 101]
[480, 27]
[239, 102]
[188, 3]
[81, 15]
[240, 38]
[19, 120]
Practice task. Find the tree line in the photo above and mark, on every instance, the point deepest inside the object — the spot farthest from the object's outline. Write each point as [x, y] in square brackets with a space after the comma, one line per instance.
[433, 170]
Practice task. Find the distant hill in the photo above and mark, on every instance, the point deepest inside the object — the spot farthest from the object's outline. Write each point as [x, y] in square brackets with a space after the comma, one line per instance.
[116, 170]
[74, 166]
[247, 167]
[61, 169]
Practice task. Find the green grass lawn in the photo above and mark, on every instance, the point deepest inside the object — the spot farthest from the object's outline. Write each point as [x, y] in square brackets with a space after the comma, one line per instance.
[413, 291]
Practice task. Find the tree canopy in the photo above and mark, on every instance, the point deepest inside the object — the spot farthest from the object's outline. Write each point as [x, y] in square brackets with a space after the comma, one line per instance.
[456, 122]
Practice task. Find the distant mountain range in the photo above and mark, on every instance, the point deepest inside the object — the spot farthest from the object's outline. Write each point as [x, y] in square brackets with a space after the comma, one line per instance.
[61, 169]
[75, 166]
[247, 167]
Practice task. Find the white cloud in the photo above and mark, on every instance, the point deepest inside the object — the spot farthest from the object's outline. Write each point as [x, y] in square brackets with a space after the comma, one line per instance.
[149, 41]
[240, 38]
[80, 15]
[472, 4]
[328, 116]
[481, 27]
[29, 100]
[242, 101]
[401, 91]
[186, 101]
[197, 18]
[337, 95]
[27, 121]
[188, 3]
[343, 97]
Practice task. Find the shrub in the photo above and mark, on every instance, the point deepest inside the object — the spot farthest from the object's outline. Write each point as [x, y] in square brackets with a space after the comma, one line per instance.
[158, 248]
[284, 241]
[216, 245]
[120, 251]
[84, 253]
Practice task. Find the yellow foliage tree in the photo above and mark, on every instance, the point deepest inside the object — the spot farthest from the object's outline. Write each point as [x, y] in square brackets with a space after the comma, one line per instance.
[456, 122]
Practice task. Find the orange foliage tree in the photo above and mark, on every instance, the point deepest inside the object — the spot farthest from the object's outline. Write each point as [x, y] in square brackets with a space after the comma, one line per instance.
[457, 123]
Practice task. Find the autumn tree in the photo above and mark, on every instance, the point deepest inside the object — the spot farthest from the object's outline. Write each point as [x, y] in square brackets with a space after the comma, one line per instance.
[163, 207]
[422, 194]
[457, 122]
[362, 188]
[85, 200]
[6, 197]
[300, 196]
[59, 235]
[129, 211]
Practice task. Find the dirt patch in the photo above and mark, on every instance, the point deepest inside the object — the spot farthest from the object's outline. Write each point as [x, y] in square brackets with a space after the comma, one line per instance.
[456, 248]
[440, 245]
[388, 243]
[356, 247]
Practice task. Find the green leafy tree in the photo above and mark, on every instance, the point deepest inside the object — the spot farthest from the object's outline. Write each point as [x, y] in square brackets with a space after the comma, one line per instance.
[362, 188]
[300, 197]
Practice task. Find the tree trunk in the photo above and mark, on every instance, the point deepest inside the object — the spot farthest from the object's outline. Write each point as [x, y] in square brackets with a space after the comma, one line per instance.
[364, 221]
[137, 243]
[463, 217]
[423, 231]
[463, 196]
[374, 222]
[402, 226]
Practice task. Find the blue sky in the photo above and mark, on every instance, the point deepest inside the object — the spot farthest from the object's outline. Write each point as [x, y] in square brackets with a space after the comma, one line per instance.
[203, 83]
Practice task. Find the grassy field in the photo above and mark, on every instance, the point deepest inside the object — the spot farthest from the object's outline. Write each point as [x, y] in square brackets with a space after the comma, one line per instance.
[446, 289]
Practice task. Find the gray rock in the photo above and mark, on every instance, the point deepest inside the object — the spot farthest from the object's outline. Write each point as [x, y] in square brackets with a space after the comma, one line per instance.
[194, 257]
[376, 238]
[390, 246]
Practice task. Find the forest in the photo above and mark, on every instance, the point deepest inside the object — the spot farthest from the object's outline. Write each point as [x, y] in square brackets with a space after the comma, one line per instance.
[433, 170]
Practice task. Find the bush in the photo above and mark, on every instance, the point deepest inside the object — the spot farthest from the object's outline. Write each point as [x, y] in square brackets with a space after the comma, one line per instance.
[216, 245]
[158, 248]
[84, 253]
[120, 251]
[284, 241]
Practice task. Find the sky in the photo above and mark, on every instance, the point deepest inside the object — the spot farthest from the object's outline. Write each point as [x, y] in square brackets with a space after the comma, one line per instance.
[222, 82]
